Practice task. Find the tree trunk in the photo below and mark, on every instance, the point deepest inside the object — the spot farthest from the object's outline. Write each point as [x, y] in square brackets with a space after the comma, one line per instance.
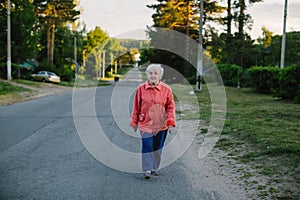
[241, 25]
[19, 72]
[242, 19]
[52, 45]
[228, 39]
[48, 43]
[229, 18]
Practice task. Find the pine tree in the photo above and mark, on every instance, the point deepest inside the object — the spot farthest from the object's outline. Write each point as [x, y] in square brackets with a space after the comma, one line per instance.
[53, 13]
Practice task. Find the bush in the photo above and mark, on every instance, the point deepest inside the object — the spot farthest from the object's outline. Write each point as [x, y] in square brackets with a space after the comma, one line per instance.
[24, 73]
[264, 79]
[289, 83]
[231, 74]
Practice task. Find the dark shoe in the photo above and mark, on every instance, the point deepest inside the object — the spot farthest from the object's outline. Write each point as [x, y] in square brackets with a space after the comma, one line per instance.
[147, 175]
[155, 173]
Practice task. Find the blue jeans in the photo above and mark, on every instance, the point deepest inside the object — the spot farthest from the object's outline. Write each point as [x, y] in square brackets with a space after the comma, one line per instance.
[152, 149]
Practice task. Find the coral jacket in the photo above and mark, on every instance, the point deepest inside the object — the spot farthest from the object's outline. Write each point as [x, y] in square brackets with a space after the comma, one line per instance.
[153, 108]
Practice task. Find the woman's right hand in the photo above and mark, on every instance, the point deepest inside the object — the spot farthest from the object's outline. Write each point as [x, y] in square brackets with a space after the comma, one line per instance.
[134, 128]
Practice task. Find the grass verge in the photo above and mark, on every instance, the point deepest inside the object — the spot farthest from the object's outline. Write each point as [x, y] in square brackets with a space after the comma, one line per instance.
[6, 88]
[27, 82]
[262, 134]
[10, 93]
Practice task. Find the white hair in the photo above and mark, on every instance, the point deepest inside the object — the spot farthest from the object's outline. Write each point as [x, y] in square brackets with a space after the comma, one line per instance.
[155, 67]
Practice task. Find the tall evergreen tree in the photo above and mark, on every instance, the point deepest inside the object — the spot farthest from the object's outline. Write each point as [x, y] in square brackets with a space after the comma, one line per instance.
[182, 16]
[243, 20]
[23, 34]
[53, 13]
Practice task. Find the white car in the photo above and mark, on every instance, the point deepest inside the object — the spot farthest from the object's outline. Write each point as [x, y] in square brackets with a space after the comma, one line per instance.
[45, 76]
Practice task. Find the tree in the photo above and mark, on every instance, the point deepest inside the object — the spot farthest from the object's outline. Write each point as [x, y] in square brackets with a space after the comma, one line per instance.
[292, 49]
[266, 40]
[114, 50]
[3, 31]
[23, 35]
[243, 20]
[96, 40]
[182, 16]
[53, 13]
[228, 21]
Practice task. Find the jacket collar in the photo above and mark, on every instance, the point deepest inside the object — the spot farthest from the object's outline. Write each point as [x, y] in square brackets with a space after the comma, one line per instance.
[148, 85]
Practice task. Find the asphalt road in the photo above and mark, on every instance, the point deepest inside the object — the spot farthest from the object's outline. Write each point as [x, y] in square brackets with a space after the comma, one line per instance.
[43, 157]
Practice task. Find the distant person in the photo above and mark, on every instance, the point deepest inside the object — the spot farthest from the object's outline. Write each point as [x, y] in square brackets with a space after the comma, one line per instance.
[153, 114]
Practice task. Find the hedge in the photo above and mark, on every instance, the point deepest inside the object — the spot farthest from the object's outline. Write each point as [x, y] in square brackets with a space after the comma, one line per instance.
[264, 79]
[289, 83]
[231, 74]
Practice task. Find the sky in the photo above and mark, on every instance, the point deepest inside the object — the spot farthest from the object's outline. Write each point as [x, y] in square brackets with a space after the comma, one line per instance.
[128, 18]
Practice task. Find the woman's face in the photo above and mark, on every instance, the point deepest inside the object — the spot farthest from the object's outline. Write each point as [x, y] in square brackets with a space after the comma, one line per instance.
[154, 76]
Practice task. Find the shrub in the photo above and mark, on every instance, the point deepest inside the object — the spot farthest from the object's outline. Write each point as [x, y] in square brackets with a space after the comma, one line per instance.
[231, 74]
[289, 83]
[264, 79]
[24, 73]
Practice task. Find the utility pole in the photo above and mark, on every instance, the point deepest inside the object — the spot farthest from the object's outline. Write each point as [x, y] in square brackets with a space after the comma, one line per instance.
[75, 54]
[103, 65]
[283, 36]
[199, 60]
[8, 42]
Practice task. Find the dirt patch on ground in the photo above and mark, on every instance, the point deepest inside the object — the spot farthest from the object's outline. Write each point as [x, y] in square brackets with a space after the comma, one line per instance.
[41, 90]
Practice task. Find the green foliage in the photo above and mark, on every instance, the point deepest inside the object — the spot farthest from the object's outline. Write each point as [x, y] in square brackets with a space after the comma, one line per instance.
[6, 88]
[94, 39]
[16, 71]
[231, 74]
[45, 66]
[267, 37]
[283, 83]
[241, 17]
[67, 72]
[24, 37]
[52, 14]
[270, 55]
[181, 16]
[23, 33]
[177, 63]
[264, 79]
[289, 83]
[134, 44]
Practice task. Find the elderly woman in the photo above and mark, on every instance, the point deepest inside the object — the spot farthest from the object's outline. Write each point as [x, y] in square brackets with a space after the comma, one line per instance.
[153, 114]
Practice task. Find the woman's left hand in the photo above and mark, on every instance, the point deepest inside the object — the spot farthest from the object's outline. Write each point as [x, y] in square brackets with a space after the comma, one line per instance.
[170, 129]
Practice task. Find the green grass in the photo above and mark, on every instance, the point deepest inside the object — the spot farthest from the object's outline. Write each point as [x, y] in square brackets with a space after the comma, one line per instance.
[27, 82]
[261, 132]
[6, 88]
[270, 125]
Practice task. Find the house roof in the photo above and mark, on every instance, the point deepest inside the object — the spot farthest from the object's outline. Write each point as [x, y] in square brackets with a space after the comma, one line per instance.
[27, 65]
